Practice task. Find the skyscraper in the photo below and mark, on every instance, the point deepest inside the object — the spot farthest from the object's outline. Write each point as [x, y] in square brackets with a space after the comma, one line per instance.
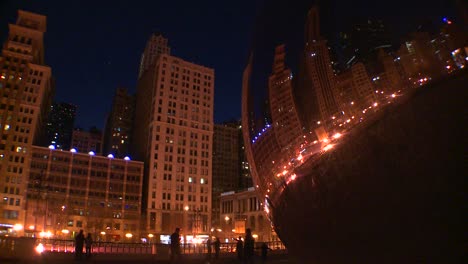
[118, 131]
[155, 46]
[174, 135]
[26, 88]
[284, 116]
[60, 125]
[319, 68]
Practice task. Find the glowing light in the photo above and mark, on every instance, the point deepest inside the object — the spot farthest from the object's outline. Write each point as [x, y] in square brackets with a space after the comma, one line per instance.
[327, 147]
[318, 122]
[18, 227]
[91, 153]
[337, 135]
[315, 141]
[31, 227]
[103, 233]
[285, 172]
[325, 140]
[150, 235]
[448, 67]
[300, 157]
[65, 231]
[110, 156]
[375, 104]
[42, 234]
[226, 218]
[333, 117]
[352, 103]
[219, 230]
[293, 177]
[51, 147]
[349, 120]
[73, 150]
[255, 236]
[393, 95]
[128, 235]
[39, 248]
[186, 208]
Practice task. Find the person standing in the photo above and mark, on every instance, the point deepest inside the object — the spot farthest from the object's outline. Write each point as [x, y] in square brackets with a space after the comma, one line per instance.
[240, 249]
[89, 243]
[79, 242]
[175, 245]
[208, 246]
[249, 244]
[217, 247]
[265, 249]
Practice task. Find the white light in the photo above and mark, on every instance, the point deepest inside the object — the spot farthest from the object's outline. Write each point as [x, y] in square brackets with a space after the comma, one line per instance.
[126, 158]
[39, 248]
[110, 156]
[51, 147]
[150, 235]
[18, 227]
[186, 208]
[393, 95]
[103, 233]
[65, 231]
[128, 235]
[91, 153]
[73, 150]
[375, 104]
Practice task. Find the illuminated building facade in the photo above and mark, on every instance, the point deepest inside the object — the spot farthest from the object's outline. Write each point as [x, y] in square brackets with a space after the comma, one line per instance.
[173, 135]
[26, 86]
[241, 210]
[156, 46]
[86, 141]
[60, 125]
[69, 191]
[118, 131]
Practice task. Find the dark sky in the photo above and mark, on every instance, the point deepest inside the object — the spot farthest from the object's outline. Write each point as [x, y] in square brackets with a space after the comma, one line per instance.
[95, 46]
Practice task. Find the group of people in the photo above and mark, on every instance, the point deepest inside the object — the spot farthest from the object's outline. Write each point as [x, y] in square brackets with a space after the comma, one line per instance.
[245, 248]
[80, 242]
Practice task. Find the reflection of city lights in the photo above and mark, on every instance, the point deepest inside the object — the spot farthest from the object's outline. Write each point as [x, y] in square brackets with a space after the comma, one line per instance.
[327, 147]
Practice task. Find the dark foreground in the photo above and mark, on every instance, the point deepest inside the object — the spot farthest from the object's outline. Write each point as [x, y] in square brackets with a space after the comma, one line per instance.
[143, 259]
[393, 192]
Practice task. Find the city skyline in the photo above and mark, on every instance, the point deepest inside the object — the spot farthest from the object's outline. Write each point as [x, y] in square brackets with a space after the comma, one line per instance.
[223, 46]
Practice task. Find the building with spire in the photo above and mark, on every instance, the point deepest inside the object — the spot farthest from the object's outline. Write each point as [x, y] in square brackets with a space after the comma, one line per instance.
[26, 87]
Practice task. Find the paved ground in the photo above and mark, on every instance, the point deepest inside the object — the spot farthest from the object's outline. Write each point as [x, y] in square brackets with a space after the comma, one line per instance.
[143, 259]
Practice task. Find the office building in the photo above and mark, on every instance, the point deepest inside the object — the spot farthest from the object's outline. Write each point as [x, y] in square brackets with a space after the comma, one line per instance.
[173, 135]
[118, 131]
[26, 89]
[60, 125]
[156, 45]
[69, 191]
[86, 141]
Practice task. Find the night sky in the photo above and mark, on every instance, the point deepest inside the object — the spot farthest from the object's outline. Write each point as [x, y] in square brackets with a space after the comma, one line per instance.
[93, 47]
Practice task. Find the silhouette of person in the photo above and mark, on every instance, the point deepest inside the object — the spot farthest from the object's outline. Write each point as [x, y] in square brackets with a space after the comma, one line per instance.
[79, 242]
[240, 249]
[175, 245]
[217, 247]
[265, 249]
[249, 244]
[208, 246]
[89, 243]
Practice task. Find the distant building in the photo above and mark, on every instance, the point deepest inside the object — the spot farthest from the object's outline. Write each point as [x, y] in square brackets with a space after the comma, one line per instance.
[86, 141]
[230, 168]
[173, 135]
[26, 88]
[69, 191]
[60, 125]
[119, 124]
[242, 210]
[155, 46]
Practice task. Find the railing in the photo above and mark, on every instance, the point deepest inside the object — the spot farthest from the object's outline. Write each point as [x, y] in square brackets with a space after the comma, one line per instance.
[11, 245]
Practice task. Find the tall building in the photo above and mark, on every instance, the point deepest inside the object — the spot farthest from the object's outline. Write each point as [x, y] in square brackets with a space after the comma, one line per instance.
[319, 68]
[69, 191]
[226, 164]
[284, 115]
[174, 137]
[60, 125]
[86, 141]
[156, 45]
[118, 131]
[26, 89]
